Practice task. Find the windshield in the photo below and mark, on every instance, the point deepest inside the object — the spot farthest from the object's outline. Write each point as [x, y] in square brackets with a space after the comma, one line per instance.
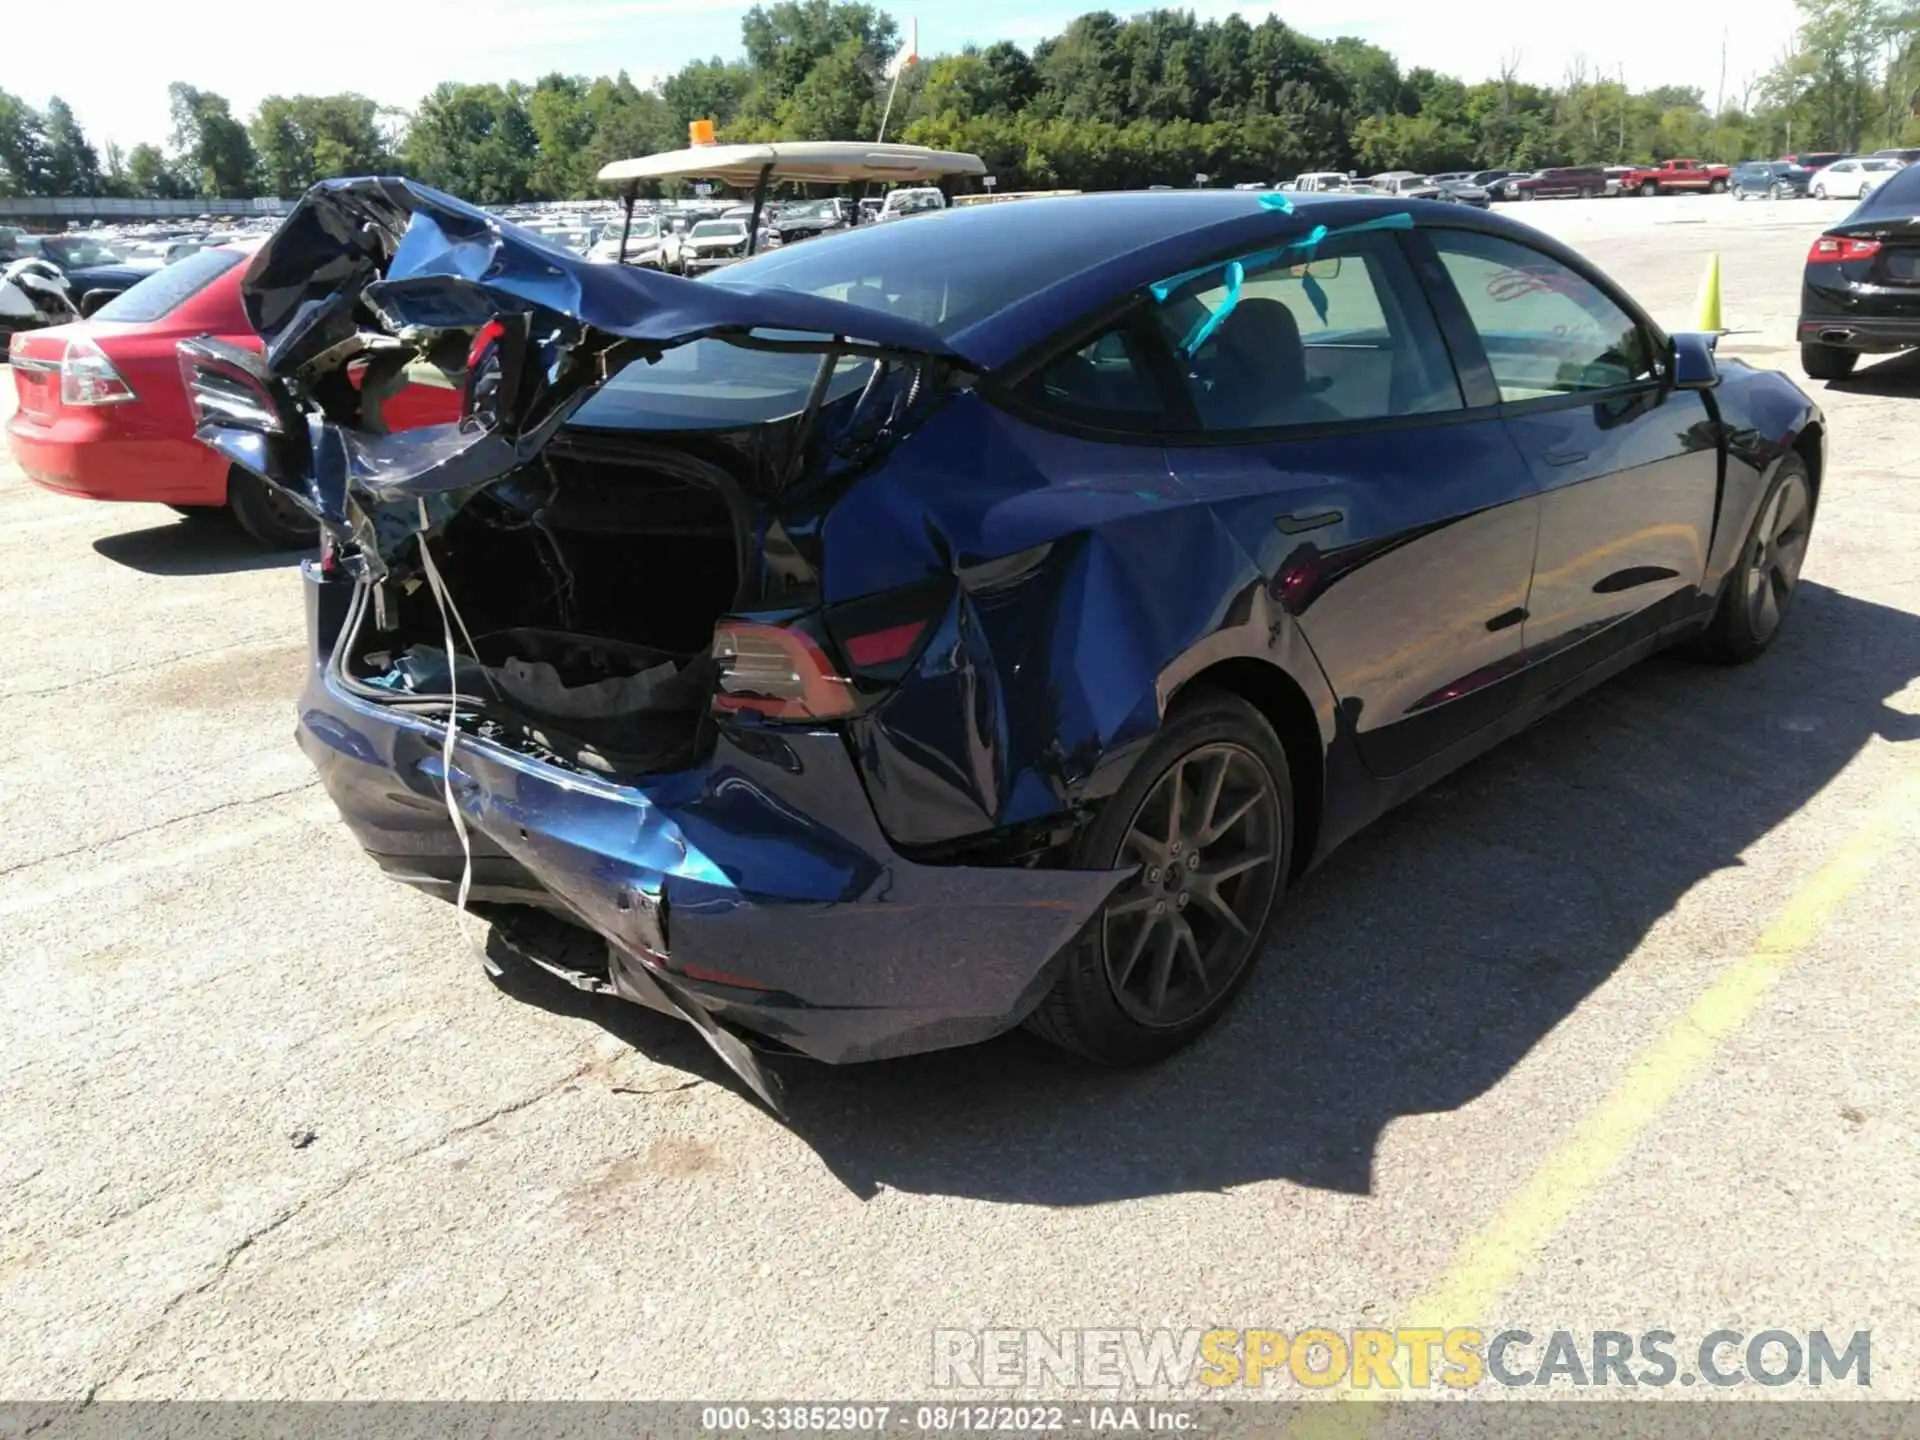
[643, 230]
[164, 291]
[718, 229]
[71, 252]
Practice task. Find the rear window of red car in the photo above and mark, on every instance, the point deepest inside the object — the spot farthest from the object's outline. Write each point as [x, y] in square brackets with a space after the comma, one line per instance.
[164, 291]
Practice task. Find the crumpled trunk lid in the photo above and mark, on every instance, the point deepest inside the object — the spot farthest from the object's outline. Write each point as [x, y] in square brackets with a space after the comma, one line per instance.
[368, 277]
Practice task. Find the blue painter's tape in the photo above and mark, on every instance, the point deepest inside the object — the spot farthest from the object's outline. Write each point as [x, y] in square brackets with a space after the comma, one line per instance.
[1203, 332]
[1274, 200]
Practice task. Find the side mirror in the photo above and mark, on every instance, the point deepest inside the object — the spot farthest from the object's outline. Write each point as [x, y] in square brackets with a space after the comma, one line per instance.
[1693, 363]
[94, 300]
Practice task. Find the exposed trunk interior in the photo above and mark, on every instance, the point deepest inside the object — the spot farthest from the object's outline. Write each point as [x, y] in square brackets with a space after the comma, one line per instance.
[590, 584]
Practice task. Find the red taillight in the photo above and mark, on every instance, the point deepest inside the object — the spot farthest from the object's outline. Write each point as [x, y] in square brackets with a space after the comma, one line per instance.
[1838, 249]
[883, 647]
[777, 672]
[87, 377]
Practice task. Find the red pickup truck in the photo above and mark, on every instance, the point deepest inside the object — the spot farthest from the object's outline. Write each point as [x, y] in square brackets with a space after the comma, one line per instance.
[1672, 177]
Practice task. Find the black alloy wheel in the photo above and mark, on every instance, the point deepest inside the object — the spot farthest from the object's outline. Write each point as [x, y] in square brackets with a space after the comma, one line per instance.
[1205, 824]
[1753, 603]
[1208, 844]
[1775, 554]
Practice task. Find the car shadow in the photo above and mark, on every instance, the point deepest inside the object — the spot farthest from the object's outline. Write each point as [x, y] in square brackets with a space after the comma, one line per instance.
[1898, 376]
[1413, 971]
[201, 545]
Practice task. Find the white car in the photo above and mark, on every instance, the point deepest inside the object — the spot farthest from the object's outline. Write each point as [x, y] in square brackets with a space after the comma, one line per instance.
[1852, 178]
[713, 243]
[913, 200]
[647, 246]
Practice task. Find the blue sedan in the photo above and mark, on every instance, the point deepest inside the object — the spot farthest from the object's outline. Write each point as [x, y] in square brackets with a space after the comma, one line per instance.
[894, 639]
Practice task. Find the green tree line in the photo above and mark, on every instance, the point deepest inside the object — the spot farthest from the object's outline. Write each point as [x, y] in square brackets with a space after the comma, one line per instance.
[1109, 102]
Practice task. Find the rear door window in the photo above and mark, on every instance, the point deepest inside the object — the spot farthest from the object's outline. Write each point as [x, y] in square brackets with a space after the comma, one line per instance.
[1547, 330]
[1283, 340]
[1108, 383]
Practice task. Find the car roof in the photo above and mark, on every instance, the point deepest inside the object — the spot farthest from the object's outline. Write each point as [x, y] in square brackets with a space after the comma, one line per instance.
[1126, 240]
[827, 162]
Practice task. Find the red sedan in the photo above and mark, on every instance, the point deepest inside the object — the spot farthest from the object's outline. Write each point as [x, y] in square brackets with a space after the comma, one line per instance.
[103, 411]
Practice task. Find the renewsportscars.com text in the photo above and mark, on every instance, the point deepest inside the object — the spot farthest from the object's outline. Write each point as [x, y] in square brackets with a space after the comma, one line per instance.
[1322, 1358]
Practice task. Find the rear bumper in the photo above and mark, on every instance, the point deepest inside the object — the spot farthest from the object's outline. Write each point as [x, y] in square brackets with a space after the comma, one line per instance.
[1860, 332]
[757, 887]
[79, 455]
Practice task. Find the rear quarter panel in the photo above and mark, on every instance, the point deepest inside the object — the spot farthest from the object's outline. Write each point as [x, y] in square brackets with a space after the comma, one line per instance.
[1037, 693]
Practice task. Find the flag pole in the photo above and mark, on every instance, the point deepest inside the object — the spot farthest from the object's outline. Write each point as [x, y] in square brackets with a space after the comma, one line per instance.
[909, 55]
[891, 91]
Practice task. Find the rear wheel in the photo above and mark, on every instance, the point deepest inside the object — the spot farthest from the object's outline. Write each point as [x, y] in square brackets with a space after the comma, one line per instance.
[1651, 187]
[1753, 603]
[1828, 362]
[267, 515]
[1718, 187]
[1819, 192]
[1207, 817]
[1777, 191]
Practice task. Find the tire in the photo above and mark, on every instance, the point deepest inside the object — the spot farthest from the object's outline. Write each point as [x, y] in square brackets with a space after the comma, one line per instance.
[1828, 362]
[1755, 599]
[1115, 1001]
[1819, 192]
[1717, 187]
[1776, 192]
[268, 517]
[1650, 188]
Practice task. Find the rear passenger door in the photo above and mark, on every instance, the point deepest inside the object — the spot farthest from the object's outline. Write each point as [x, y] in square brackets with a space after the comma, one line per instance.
[1325, 425]
[1628, 467]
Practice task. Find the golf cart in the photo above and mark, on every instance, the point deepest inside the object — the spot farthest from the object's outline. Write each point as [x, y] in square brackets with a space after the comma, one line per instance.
[759, 167]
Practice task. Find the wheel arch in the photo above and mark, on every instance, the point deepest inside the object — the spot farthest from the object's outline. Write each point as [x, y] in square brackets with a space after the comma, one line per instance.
[1285, 705]
[1811, 446]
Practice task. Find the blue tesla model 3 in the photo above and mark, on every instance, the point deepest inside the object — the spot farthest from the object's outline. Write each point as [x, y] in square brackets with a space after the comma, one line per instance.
[937, 627]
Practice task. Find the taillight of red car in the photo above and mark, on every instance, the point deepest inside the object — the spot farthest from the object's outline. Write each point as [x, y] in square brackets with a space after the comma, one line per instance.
[88, 377]
[1838, 249]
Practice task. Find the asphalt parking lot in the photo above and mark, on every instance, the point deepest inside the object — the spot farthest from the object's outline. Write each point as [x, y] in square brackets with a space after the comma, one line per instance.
[1612, 1030]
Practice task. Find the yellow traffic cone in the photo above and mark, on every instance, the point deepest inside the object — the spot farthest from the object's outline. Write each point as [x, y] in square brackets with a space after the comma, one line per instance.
[1706, 311]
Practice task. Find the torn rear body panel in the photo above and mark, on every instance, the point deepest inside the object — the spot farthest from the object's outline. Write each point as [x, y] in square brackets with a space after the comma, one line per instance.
[673, 714]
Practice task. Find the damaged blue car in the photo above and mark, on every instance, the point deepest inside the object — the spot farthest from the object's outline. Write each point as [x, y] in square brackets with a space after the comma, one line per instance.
[895, 639]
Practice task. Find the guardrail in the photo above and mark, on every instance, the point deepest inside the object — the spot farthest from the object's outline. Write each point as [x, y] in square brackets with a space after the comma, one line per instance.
[82, 207]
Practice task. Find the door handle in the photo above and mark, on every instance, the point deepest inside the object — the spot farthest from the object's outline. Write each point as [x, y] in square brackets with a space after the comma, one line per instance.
[1296, 522]
[1564, 457]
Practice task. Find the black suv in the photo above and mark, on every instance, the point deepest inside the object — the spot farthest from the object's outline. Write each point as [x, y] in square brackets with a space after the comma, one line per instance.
[1770, 180]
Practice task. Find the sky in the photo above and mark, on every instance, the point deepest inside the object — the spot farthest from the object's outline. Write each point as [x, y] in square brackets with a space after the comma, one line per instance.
[118, 90]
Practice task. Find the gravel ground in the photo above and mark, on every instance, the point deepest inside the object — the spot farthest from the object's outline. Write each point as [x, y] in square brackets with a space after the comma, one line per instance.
[268, 1130]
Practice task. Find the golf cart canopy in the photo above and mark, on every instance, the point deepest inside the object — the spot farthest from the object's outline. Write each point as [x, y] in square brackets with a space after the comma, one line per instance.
[818, 162]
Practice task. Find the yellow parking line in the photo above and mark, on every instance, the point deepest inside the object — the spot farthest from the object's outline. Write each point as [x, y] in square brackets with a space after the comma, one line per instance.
[1487, 1265]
